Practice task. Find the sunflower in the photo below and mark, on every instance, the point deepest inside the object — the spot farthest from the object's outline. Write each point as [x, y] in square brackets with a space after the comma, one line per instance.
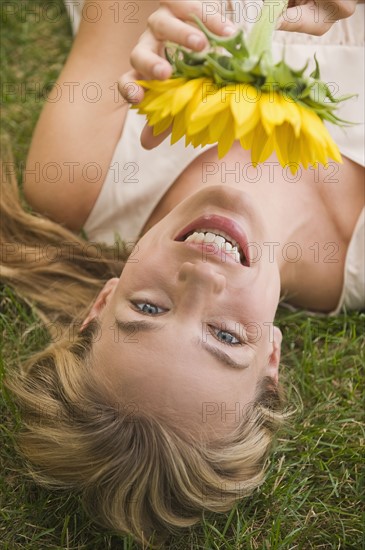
[234, 91]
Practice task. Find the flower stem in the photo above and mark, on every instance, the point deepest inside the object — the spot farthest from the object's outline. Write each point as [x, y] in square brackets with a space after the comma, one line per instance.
[260, 39]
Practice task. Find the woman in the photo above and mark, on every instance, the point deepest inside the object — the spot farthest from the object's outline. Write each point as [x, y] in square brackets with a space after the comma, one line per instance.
[162, 399]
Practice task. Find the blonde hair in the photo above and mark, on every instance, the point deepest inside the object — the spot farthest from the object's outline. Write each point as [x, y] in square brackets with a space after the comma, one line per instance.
[137, 473]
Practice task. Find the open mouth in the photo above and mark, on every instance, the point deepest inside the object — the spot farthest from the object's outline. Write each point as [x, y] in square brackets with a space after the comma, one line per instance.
[224, 234]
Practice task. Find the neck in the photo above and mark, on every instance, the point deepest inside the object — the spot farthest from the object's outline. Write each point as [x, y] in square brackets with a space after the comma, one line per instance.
[282, 207]
[279, 197]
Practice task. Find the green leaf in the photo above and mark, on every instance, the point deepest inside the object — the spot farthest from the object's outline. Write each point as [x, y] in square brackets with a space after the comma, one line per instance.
[316, 73]
[187, 70]
[283, 74]
[221, 71]
[318, 92]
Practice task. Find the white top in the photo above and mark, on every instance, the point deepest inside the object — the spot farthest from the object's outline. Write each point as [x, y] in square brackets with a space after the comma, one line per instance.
[353, 292]
[138, 178]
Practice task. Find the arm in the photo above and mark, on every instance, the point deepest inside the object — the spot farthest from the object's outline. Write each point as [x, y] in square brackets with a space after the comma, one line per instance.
[81, 122]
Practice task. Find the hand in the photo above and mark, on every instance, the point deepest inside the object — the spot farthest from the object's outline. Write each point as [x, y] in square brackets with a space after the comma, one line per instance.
[315, 16]
[172, 21]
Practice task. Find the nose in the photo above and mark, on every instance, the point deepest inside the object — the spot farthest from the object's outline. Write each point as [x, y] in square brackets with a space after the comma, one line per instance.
[197, 282]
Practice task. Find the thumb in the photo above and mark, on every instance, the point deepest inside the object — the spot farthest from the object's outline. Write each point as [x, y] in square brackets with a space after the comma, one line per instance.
[129, 89]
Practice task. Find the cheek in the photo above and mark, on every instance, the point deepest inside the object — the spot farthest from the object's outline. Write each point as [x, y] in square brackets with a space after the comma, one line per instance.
[266, 297]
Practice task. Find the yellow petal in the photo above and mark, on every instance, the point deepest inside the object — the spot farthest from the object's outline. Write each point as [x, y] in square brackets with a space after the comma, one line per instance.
[201, 137]
[183, 94]
[246, 116]
[148, 98]
[158, 102]
[282, 136]
[294, 154]
[218, 125]
[210, 105]
[161, 85]
[155, 117]
[179, 128]
[196, 99]
[162, 125]
[196, 126]
[292, 114]
[272, 111]
[249, 124]
[317, 147]
[333, 151]
[226, 138]
[205, 138]
[306, 154]
[262, 145]
[313, 126]
[319, 152]
[242, 109]
[318, 144]
[247, 139]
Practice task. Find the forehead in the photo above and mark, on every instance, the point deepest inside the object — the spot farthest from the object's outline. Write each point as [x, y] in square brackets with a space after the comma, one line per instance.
[163, 371]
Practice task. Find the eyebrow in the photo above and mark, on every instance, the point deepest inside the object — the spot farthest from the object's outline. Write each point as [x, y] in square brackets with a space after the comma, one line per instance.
[128, 327]
[132, 327]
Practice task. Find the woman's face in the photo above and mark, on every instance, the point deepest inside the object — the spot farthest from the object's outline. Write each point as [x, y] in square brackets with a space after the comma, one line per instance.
[187, 328]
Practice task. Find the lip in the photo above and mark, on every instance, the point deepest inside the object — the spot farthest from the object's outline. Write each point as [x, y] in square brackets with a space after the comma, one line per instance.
[214, 221]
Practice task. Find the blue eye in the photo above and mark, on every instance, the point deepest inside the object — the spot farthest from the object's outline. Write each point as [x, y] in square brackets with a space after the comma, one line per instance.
[147, 308]
[226, 337]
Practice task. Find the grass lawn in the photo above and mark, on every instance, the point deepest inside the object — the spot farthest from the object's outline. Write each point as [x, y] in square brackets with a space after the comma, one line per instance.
[312, 497]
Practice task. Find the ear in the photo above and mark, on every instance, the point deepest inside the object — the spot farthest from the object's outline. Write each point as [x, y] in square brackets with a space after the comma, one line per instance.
[100, 301]
[274, 359]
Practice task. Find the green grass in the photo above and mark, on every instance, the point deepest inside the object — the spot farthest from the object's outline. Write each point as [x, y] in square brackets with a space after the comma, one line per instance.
[312, 498]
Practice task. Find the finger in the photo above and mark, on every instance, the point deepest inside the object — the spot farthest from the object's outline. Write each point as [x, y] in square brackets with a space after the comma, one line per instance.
[213, 14]
[147, 60]
[129, 89]
[311, 18]
[149, 141]
[167, 26]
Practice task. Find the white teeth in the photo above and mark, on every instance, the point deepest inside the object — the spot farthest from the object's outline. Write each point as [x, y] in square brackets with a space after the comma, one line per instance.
[224, 241]
[235, 254]
[199, 237]
[206, 238]
[209, 237]
[232, 251]
[219, 240]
